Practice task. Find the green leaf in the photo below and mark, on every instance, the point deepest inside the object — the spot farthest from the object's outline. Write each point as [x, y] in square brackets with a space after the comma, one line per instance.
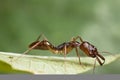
[5, 68]
[48, 64]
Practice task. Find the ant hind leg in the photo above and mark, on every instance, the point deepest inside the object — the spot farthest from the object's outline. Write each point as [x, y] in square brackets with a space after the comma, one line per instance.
[78, 37]
[41, 35]
[78, 55]
[94, 66]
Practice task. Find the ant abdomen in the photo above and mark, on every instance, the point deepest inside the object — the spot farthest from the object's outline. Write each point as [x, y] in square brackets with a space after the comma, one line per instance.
[43, 45]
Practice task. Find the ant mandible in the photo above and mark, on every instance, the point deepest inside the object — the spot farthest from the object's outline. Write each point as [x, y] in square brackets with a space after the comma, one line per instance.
[66, 47]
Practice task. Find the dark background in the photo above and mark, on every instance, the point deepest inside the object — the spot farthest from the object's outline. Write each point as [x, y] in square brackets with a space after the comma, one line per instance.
[96, 21]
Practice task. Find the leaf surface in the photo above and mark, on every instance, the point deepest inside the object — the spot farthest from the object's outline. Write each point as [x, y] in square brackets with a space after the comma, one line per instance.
[51, 64]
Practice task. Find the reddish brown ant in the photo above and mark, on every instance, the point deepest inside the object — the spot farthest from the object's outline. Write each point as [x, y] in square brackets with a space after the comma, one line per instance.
[66, 47]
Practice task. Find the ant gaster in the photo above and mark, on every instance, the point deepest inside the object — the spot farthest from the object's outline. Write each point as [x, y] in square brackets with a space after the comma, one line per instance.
[66, 47]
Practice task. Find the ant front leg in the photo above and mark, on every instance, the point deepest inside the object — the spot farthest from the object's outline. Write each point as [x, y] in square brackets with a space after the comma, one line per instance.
[98, 62]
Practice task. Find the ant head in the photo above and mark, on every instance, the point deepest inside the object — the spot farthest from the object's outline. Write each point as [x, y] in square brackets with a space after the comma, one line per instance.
[89, 49]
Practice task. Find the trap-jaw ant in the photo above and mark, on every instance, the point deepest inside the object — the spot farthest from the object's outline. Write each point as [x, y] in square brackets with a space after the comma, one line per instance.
[66, 47]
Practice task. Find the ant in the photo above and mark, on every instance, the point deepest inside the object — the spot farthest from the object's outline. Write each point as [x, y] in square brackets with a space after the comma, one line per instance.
[64, 48]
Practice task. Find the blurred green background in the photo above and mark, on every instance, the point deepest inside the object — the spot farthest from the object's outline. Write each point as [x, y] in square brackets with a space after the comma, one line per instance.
[96, 21]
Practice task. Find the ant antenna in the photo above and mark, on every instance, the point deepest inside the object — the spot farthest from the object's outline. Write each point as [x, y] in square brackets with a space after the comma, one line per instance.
[106, 52]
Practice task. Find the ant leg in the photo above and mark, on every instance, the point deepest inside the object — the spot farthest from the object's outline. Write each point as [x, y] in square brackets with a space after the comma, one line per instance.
[98, 62]
[44, 37]
[78, 55]
[79, 38]
[74, 39]
[65, 52]
[41, 35]
[29, 49]
[94, 66]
